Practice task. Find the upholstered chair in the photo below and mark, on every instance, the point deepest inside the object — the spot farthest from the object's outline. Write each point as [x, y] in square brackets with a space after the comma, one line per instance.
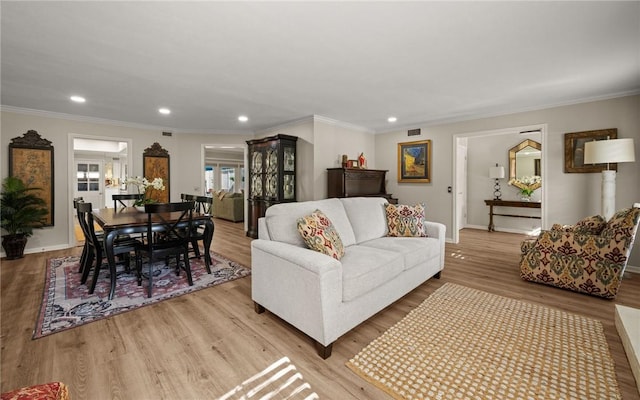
[588, 257]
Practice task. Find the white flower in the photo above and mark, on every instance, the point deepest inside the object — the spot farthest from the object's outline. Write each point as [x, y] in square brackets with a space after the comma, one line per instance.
[142, 184]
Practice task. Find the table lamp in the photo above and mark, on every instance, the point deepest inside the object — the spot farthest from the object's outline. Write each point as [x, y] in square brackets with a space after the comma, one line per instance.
[496, 173]
[606, 152]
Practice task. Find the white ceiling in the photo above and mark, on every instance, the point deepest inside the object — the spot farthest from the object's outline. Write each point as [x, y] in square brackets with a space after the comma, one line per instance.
[355, 62]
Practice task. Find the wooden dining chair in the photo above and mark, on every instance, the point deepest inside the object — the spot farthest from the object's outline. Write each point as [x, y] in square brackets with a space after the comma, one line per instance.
[95, 249]
[83, 256]
[119, 199]
[173, 242]
[202, 205]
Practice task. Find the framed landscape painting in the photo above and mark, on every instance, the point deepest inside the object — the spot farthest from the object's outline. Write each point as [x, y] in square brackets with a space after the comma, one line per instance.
[414, 161]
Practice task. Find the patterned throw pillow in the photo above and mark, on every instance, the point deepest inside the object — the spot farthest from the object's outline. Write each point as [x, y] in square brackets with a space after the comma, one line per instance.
[404, 220]
[320, 235]
[623, 221]
[589, 226]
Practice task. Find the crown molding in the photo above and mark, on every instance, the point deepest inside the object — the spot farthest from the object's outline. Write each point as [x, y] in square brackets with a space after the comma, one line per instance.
[105, 121]
[342, 124]
[470, 117]
[315, 118]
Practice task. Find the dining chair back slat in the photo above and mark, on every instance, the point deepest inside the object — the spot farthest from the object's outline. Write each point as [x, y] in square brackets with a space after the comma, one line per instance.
[120, 199]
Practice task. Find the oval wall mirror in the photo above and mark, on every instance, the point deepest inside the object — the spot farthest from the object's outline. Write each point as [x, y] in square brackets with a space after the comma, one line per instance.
[524, 159]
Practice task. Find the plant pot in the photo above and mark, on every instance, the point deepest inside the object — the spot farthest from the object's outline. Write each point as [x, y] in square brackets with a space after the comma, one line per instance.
[14, 245]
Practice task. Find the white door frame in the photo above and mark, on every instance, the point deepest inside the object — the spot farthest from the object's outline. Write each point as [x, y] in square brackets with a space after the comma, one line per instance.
[71, 159]
[203, 163]
[456, 138]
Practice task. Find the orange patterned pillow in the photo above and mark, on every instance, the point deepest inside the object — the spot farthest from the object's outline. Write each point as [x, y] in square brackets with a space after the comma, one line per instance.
[320, 235]
[406, 221]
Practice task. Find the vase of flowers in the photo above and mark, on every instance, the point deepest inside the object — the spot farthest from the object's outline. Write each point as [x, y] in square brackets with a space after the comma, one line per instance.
[143, 185]
[527, 185]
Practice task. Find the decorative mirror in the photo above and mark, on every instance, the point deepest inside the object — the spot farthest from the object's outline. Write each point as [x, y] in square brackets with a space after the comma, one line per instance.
[524, 160]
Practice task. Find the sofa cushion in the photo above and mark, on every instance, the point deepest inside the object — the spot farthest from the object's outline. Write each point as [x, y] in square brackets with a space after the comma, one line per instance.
[367, 217]
[318, 233]
[414, 250]
[406, 221]
[281, 220]
[365, 268]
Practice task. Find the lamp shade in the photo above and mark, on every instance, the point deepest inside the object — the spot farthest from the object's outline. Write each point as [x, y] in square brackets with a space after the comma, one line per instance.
[496, 172]
[609, 151]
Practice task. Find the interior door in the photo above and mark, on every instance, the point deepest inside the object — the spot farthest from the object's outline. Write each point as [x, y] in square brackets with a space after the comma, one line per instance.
[89, 181]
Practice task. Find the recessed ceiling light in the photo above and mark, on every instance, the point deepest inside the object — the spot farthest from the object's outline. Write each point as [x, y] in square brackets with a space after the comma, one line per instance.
[392, 119]
[243, 118]
[164, 111]
[78, 99]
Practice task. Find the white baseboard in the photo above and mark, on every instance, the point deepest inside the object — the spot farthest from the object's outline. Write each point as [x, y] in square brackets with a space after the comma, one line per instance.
[632, 268]
[507, 230]
[42, 249]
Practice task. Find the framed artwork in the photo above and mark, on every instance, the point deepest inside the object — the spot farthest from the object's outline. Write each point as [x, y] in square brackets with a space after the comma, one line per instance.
[353, 164]
[414, 161]
[31, 159]
[155, 164]
[574, 150]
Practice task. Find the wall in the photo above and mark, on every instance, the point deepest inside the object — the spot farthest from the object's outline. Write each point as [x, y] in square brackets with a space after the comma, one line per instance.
[332, 140]
[484, 152]
[321, 143]
[570, 197]
[185, 151]
[303, 129]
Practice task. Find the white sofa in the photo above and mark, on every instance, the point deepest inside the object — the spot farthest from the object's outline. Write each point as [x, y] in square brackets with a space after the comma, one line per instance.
[324, 297]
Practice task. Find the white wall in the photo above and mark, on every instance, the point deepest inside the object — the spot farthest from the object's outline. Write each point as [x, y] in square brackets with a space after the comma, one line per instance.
[184, 149]
[571, 197]
[483, 153]
[321, 143]
[303, 129]
[332, 140]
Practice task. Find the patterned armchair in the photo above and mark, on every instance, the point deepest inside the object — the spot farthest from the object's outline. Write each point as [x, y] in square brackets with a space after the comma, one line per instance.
[588, 257]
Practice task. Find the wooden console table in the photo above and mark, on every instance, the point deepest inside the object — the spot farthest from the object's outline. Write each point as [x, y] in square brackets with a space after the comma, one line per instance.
[510, 203]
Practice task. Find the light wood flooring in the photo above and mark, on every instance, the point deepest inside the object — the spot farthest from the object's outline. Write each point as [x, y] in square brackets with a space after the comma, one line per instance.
[201, 345]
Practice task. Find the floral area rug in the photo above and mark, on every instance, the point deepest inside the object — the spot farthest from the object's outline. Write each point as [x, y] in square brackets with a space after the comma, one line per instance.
[67, 304]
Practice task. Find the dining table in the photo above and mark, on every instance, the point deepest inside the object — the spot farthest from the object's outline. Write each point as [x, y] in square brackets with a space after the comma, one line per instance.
[131, 220]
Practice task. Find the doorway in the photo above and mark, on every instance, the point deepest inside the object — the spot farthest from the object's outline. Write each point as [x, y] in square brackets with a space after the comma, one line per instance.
[464, 150]
[223, 168]
[98, 166]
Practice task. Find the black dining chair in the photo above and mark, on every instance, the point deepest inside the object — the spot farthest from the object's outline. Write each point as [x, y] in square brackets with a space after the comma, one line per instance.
[120, 199]
[95, 249]
[83, 256]
[173, 241]
[202, 205]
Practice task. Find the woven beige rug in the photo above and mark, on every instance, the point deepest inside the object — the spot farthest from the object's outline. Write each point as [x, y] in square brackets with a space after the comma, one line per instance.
[463, 343]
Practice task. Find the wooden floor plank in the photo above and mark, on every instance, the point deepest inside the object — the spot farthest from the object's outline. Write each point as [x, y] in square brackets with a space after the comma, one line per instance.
[201, 345]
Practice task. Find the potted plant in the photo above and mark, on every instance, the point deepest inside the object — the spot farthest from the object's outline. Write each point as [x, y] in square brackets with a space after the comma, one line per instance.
[21, 211]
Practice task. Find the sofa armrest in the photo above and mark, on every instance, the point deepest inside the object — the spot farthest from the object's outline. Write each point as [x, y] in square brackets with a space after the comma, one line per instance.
[437, 230]
[301, 286]
[310, 260]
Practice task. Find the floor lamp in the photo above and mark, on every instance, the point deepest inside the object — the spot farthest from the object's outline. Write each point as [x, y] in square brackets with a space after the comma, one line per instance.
[606, 152]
